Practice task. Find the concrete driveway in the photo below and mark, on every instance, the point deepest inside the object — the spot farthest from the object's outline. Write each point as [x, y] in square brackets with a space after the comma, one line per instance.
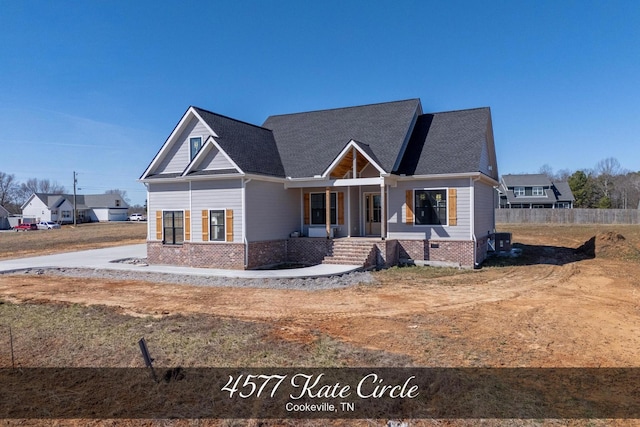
[103, 259]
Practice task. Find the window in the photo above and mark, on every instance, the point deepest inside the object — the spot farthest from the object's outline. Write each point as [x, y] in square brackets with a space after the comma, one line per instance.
[173, 224]
[318, 208]
[117, 203]
[195, 144]
[518, 191]
[66, 214]
[538, 191]
[431, 207]
[216, 226]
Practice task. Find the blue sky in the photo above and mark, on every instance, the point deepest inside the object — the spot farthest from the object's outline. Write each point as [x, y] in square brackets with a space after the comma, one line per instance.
[97, 86]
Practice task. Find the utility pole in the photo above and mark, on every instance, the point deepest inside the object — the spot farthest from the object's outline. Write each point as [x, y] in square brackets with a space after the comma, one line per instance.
[75, 211]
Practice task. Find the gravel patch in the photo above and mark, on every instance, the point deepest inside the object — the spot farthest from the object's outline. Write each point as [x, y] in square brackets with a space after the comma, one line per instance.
[311, 284]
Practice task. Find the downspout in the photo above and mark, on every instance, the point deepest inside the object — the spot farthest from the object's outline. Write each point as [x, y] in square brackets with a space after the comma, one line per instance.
[472, 182]
[244, 222]
[191, 231]
[146, 185]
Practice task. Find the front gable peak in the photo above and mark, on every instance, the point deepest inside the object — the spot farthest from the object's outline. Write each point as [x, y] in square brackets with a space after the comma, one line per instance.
[354, 158]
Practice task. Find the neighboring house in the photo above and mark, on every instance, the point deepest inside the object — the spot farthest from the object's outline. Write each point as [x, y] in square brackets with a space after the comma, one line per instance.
[228, 194]
[4, 219]
[534, 191]
[89, 207]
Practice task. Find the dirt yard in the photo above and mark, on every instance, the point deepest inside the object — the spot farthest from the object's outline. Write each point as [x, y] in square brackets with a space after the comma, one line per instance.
[551, 308]
[571, 300]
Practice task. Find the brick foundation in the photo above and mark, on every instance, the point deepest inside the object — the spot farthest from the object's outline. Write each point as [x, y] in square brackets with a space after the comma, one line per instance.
[310, 251]
[267, 253]
[482, 247]
[228, 255]
[454, 252]
[386, 254]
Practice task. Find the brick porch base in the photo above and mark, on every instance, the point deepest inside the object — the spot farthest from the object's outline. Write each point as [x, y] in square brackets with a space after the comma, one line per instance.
[308, 251]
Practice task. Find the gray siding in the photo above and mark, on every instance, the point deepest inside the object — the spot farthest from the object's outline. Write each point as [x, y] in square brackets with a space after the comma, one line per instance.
[214, 160]
[165, 196]
[178, 157]
[399, 230]
[273, 212]
[216, 195]
[484, 205]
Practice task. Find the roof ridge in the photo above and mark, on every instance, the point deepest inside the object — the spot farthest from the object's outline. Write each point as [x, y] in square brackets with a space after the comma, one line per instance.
[345, 108]
[230, 118]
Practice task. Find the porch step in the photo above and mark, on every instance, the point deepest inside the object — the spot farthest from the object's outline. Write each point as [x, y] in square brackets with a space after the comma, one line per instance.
[352, 252]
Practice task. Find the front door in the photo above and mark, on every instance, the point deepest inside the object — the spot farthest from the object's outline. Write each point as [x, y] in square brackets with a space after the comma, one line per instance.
[373, 213]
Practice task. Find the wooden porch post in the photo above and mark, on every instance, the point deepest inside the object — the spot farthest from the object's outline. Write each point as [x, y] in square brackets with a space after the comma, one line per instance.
[327, 211]
[383, 211]
[355, 162]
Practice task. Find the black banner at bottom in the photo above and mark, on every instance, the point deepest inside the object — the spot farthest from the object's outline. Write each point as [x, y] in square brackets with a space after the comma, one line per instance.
[320, 393]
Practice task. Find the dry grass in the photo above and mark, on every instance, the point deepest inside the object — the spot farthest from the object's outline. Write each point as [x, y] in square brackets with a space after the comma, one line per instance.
[73, 335]
[71, 238]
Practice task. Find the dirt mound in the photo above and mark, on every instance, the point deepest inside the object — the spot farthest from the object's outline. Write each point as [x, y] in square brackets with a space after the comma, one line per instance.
[609, 244]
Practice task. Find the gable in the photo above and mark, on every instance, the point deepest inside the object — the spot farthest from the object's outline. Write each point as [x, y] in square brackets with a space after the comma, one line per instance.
[240, 148]
[212, 159]
[343, 165]
[178, 156]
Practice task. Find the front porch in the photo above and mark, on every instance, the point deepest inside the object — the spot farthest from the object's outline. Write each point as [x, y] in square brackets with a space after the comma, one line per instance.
[343, 212]
[349, 199]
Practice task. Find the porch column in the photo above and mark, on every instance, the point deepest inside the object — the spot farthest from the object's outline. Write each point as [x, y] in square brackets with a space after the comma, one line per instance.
[349, 211]
[327, 211]
[383, 211]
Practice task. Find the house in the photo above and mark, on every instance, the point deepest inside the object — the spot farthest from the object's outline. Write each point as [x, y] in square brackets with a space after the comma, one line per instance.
[89, 207]
[4, 219]
[370, 185]
[534, 191]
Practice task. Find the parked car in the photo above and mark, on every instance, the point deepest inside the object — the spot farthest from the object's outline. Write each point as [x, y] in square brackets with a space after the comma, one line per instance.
[137, 217]
[25, 227]
[47, 225]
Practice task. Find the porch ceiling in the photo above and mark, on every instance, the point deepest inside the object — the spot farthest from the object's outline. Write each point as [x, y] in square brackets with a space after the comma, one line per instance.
[346, 164]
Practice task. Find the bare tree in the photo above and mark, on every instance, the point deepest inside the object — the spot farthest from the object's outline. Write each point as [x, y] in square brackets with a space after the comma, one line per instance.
[607, 170]
[547, 170]
[35, 185]
[122, 193]
[8, 188]
[563, 175]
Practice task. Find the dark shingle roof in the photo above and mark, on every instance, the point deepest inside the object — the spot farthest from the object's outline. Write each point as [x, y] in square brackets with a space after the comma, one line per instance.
[526, 180]
[83, 201]
[251, 147]
[449, 142]
[563, 192]
[309, 142]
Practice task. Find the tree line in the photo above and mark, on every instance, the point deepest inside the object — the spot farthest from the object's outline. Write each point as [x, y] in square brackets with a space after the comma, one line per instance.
[13, 194]
[607, 186]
